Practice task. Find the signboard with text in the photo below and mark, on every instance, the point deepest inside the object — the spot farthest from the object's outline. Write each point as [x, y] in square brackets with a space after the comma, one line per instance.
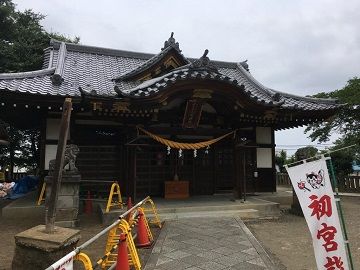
[313, 188]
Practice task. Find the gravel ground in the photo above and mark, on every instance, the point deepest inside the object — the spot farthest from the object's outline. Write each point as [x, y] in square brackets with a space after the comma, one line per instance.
[288, 239]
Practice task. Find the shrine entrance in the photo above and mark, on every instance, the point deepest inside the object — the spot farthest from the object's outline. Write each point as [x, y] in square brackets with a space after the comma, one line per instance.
[246, 170]
[210, 172]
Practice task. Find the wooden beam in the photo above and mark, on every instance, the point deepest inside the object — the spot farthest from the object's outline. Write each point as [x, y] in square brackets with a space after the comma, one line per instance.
[50, 214]
[195, 132]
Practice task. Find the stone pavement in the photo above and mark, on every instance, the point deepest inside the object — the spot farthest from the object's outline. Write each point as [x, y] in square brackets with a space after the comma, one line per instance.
[207, 243]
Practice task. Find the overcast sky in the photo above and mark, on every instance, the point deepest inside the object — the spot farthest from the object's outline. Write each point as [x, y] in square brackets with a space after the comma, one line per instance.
[299, 47]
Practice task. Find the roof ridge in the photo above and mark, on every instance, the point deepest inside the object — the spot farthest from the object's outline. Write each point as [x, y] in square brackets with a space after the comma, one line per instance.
[273, 92]
[311, 99]
[218, 63]
[149, 63]
[101, 50]
[248, 75]
[57, 78]
[26, 74]
[124, 53]
[169, 45]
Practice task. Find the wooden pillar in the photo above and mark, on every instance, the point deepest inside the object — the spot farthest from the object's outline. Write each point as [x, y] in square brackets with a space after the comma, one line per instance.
[237, 174]
[11, 150]
[134, 173]
[64, 128]
[42, 143]
[131, 171]
[273, 160]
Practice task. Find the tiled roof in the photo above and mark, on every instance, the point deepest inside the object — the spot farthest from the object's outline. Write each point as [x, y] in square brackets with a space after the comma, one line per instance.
[68, 67]
[170, 45]
[159, 84]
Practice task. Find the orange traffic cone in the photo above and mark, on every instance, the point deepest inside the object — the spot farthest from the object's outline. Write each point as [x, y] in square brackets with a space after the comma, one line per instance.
[129, 206]
[88, 204]
[122, 262]
[142, 235]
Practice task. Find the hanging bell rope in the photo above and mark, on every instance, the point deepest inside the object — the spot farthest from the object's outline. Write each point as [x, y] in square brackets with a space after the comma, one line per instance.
[178, 145]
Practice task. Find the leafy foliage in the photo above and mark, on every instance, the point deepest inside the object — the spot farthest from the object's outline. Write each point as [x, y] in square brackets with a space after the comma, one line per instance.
[23, 39]
[280, 159]
[23, 150]
[305, 152]
[346, 122]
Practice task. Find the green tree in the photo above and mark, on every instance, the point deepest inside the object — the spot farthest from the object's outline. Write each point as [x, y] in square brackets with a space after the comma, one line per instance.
[345, 122]
[305, 152]
[23, 150]
[23, 39]
[280, 159]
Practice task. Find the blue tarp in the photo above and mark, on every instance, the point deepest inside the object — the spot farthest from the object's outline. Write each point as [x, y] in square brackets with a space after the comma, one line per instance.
[23, 186]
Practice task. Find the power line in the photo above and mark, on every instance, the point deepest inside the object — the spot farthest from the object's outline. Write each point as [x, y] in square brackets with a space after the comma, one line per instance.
[322, 144]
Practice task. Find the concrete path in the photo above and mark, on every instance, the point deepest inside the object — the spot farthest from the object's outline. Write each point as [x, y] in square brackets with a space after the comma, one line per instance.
[207, 243]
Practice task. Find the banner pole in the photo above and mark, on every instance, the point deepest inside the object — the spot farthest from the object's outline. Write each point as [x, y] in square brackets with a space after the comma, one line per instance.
[338, 205]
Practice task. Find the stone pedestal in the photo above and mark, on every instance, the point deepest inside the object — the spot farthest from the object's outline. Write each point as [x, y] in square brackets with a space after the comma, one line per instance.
[36, 249]
[68, 200]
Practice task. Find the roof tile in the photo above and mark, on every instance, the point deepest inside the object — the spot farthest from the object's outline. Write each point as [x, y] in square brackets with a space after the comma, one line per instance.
[94, 69]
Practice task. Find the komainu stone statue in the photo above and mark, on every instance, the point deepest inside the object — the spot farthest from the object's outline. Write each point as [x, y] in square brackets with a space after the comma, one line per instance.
[71, 152]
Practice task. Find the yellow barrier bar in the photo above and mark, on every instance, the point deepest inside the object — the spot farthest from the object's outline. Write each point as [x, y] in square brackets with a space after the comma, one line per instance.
[85, 260]
[152, 209]
[122, 226]
[134, 257]
[42, 193]
[115, 190]
[113, 239]
[117, 224]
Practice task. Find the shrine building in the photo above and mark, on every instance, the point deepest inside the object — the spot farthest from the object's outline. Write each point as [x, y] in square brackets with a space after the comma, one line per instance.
[138, 118]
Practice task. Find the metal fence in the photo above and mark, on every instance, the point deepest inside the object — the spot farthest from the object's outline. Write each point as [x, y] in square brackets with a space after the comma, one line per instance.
[119, 223]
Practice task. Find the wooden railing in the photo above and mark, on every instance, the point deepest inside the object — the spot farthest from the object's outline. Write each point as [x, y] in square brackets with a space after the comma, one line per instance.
[349, 183]
[282, 179]
[17, 176]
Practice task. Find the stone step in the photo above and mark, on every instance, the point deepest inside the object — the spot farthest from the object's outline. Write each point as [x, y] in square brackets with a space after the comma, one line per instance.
[33, 211]
[24, 207]
[243, 214]
[247, 210]
[239, 206]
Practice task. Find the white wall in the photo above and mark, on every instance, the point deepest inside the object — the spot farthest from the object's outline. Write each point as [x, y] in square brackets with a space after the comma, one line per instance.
[52, 129]
[263, 135]
[264, 157]
[52, 133]
[50, 153]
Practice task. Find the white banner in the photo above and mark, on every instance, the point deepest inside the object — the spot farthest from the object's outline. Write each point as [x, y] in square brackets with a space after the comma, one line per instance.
[67, 265]
[312, 185]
